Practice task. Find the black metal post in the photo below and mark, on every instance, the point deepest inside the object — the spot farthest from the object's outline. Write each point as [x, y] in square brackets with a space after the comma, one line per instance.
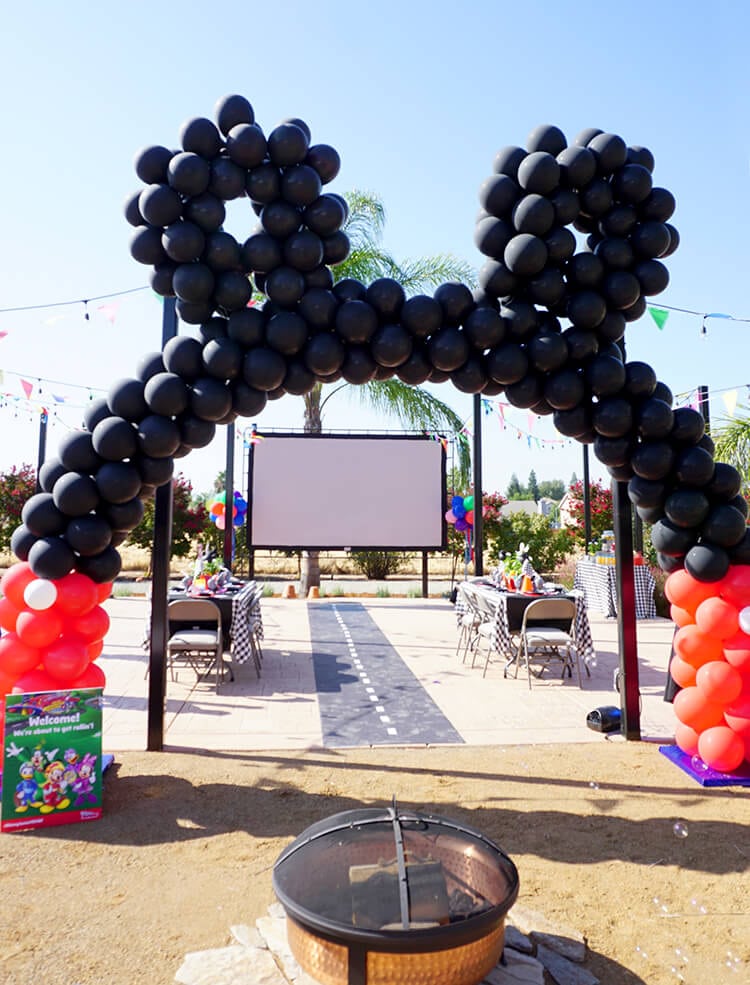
[627, 639]
[586, 500]
[248, 515]
[157, 681]
[703, 404]
[478, 553]
[229, 498]
[425, 586]
[43, 418]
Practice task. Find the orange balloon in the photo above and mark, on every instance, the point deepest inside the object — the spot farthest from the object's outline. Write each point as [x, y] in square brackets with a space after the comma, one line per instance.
[17, 657]
[716, 617]
[39, 627]
[14, 582]
[719, 682]
[735, 585]
[737, 652]
[691, 708]
[682, 672]
[218, 509]
[681, 616]
[721, 748]
[687, 592]
[695, 647]
[686, 738]
[737, 715]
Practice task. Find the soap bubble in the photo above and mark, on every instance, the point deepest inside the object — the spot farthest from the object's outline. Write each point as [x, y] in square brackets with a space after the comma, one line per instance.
[698, 907]
[594, 785]
[680, 830]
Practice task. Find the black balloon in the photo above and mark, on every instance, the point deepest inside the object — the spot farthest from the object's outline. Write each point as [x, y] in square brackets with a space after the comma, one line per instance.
[123, 516]
[117, 482]
[448, 349]
[324, 354]
[88, 534]
[49, 473]
[672, 540]
[231, 111]
[101, 568]
[391, 345]
[387, 297]
[157, 436]
[264, 369]
[707, 562]
[75, 494]
[76, 452]
[21, 542]
[41, 516]
[51, 557]
[124, 399]
[724, 526]
[687, 507]
[182, 357]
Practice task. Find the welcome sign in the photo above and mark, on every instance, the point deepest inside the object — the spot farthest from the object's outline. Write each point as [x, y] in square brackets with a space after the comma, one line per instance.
[52, 759]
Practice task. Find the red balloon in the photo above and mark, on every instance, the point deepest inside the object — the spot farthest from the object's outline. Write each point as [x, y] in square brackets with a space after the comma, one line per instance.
[681, 616]
[686, 738]
[469, 517]
[15, 580]
[682, 672]
[695, 647]
[735, 585]
[691, 708]
[8, 615]
[94, 649]
[6, 687]
[76, 594]
[104, 590]
[35, 680]
[65, 660]
[719, 682]
[93, 676]
[737, 652]
[721, 748]
[737, 715]
[687, 592]
[717, 617]
[17, 657]
[91, 626]
[39, 627]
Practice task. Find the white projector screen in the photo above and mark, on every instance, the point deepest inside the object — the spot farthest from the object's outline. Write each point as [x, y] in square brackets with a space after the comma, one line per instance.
[337, 492]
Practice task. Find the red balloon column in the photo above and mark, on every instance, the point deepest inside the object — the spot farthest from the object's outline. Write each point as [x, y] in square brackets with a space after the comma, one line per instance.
[712, 666]
[54, 631]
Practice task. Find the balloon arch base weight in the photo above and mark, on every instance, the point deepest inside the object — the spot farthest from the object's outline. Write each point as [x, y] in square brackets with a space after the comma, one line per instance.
[705, 775]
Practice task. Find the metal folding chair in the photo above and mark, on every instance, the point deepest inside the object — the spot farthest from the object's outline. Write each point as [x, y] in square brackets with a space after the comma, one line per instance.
[548, 633]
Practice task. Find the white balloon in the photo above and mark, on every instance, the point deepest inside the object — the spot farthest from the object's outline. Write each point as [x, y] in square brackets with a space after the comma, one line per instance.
[40, 594]
[745, 619]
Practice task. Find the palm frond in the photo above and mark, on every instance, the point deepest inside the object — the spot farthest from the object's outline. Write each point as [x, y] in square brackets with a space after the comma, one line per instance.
[732, 443]
[366, 219]
[430, 272]
[365, 264]
[418, 409]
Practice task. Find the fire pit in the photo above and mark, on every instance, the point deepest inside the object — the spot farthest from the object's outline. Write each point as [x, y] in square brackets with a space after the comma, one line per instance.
[383, 896]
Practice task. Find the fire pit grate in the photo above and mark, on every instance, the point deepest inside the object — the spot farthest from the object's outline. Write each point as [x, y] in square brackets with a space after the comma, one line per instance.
[383, 896]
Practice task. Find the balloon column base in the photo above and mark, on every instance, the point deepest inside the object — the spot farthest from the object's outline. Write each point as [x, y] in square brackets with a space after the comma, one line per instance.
[705, 775]
[290, 592]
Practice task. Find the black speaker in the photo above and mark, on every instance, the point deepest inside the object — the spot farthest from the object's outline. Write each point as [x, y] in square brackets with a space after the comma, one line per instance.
[605, 719]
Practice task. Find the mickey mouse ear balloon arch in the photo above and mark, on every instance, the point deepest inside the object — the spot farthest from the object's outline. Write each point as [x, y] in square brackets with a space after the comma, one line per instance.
[543, 328]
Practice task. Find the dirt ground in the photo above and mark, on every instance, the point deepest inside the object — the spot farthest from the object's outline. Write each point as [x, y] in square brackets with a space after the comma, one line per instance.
[610, 839]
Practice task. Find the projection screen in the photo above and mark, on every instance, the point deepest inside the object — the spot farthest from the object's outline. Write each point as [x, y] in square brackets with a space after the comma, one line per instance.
[337, 492]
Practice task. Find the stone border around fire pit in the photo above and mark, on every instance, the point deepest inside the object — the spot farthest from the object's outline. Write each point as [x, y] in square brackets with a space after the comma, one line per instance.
[536, 952]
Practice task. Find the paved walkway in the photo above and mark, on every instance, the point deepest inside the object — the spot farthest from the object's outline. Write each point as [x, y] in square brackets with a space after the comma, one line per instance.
[370, 671]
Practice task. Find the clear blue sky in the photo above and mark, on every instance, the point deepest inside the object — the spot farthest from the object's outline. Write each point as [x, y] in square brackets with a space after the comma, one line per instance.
[417, 98]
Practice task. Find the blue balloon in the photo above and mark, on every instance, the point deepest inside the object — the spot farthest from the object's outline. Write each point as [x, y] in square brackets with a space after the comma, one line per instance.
[457, 501]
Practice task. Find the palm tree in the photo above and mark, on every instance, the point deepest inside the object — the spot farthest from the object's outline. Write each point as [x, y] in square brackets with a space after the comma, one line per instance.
[732, 443]
[414, 407]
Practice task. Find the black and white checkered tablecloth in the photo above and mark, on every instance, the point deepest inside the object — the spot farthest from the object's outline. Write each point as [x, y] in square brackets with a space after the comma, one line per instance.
[247, 621]
[509, 608]
[598, 582]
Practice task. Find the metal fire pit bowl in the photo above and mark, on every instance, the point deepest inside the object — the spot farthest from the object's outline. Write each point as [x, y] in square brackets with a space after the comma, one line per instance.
[383, 896]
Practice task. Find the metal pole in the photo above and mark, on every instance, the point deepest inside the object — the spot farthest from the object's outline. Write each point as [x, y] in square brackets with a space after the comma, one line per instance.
[425, 586]
[248, 515]
[586, 501]
[157, 680]
[627, 639]
[478, 554]
[43, 418]
[229, 498]
[703, 403]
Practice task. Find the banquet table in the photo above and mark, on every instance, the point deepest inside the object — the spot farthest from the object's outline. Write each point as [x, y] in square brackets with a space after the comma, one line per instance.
[598, 582]
[509, 609]
[240, 617]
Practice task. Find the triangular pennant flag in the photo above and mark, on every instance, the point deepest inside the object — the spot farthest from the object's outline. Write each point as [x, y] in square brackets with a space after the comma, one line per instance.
[531, 419]
[58, 398]
[660, 316]
[730, 401]
[28, 388]
[501, 414]
[109, 311]
[3, 335]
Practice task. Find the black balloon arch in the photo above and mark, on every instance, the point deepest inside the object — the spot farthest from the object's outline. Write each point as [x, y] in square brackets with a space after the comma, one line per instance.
[545, 327]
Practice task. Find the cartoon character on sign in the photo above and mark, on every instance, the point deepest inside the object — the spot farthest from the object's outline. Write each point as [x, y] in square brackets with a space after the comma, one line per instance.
[53, 790]
[84, 784]
[27, 791]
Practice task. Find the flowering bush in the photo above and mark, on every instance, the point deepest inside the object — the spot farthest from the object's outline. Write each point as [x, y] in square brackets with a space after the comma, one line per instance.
[600, 499]
[16, 487]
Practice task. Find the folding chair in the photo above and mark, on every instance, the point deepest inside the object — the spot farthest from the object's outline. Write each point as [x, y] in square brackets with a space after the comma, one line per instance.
[196, 639]
[487, 629]
[547, 633]
[468, 623]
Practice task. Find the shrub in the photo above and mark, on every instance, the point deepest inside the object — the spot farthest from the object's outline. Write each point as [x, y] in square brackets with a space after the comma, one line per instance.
[547, 545]
[377, 565]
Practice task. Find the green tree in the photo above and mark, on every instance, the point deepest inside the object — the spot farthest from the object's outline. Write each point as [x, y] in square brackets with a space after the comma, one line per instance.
[533, 487]
[547, 546]
[732, 443]
[514, 490]
[190, 519]
[413, 406]
[16, 487]
[552, 488]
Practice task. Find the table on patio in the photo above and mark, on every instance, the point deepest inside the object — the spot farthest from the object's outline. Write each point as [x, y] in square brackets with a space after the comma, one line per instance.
[510, 607]
[598, 582]
[241, 618]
